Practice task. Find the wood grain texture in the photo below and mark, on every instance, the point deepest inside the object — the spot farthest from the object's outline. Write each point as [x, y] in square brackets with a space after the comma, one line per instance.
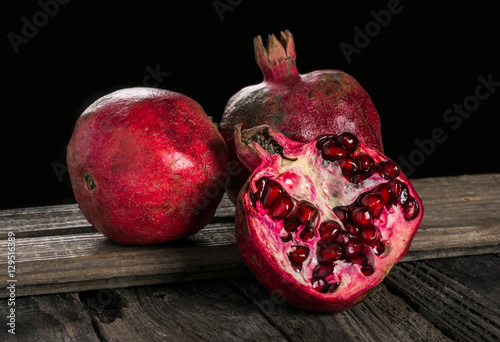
[428, 300]
[461, 301]
[58, 317]
[381, 316]
[192, 311]
[461, 216]
[57, 250]
[241, 310]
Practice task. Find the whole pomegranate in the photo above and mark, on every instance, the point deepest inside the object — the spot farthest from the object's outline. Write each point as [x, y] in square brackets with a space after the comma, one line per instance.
[299, 106]
[322, 222]
[147, 165]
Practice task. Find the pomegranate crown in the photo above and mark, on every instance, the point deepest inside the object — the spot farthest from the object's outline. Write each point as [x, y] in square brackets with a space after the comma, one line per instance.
[277, 60]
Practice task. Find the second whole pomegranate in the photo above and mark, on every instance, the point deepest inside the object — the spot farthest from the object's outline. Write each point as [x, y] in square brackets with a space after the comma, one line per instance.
[300, 106]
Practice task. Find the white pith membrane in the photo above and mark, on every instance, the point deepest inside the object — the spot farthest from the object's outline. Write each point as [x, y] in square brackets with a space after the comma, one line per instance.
[306, 176]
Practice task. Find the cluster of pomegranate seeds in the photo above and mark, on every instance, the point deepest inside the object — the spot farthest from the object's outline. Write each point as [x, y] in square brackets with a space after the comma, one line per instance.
[354, 234]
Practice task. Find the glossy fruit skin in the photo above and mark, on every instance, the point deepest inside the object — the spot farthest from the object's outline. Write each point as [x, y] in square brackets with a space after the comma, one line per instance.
[262, 251]
[147, 166]
[300, 106]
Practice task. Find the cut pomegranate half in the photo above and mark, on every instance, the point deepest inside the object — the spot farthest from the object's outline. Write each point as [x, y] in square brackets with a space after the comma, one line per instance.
[322, 222]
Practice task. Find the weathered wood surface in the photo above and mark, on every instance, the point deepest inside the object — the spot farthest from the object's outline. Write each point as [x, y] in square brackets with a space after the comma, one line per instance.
[451, 299]
[58, 251]
[460, 296]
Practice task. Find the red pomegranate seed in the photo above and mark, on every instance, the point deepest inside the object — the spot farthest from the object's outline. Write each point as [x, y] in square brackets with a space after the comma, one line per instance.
[307, 233]
[343, 214]
[359, 259]
[329, 231]
[329, 252]
[348, 140]
[282, 208]
[396, 187]
[329, 288]
[348, 165]
[385, 192]
[367, 270]
[369, 235]
[403, 196]
[305, 212]
[318, 284]
[353, 246]
[270, 194]
[323, 139]
[260, 184]
[378, 248]
[351, 229]
[291, 225]
[361, 176]
[332, 150]
[374, 203]
[410, 209]
[377, 170]
[322, 271]
[364, 161]
[298, 256]
[361, 217]
[391, 169]
[287, 238]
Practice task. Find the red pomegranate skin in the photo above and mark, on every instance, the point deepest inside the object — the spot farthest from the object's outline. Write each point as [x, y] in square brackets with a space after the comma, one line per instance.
[147, 166]
[300, 106]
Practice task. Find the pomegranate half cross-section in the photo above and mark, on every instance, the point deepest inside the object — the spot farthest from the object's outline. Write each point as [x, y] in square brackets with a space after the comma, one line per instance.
[321, 223]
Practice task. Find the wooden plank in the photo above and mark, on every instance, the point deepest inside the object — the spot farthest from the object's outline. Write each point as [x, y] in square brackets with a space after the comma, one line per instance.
[58, 251]
[461, 217]
[453, 306]
[480, 273]
[381, 316]
[192, 311]
[84, 261]
[58, 317]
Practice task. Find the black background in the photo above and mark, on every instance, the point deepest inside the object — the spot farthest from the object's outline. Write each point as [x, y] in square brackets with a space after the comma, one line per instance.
[425, 60]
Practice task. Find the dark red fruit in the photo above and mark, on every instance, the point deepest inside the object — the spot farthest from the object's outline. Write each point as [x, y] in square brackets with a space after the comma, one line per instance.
[329, 239]
[303, 107]
[307, 233]
[305, 212]
[283, 205]
[364, 162]
[298, 255]
[329, 231]
[343, 214]
[353, 246]
[291, 225]
[410, 209]
[391, 169]
[348, 140]
[374, 203]
[146, 165]
[329, 252]
[361, 217]
[333, 150]
[270, 194]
